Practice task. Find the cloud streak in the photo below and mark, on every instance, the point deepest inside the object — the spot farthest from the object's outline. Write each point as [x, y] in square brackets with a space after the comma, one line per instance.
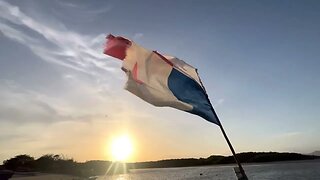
[84, 98]
[22, 105]
[56, 44]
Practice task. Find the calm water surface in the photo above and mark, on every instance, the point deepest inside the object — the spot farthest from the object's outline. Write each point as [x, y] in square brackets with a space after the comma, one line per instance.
[293, 170]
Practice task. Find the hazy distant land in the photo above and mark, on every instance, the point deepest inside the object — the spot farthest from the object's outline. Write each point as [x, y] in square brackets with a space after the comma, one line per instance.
[315, 153]
[59, 165]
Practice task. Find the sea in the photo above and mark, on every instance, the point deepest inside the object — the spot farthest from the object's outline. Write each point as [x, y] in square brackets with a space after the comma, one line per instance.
[291, 170]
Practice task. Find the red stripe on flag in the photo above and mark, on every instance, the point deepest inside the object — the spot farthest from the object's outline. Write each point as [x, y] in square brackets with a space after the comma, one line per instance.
[116, 46]
[135, 74]
[163, 58]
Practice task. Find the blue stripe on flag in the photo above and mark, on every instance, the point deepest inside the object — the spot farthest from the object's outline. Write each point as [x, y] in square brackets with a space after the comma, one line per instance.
[189, 91]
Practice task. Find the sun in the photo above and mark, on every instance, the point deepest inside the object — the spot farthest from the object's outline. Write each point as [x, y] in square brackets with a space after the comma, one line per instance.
[121, 148]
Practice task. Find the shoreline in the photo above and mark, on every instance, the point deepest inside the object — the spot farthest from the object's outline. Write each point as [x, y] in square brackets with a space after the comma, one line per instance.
[234, 164]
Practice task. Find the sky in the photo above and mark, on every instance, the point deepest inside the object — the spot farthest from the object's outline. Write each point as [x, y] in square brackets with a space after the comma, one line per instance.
[259, 61]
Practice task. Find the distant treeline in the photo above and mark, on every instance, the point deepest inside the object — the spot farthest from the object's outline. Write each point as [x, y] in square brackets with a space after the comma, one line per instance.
[247, 157]
[58, 164]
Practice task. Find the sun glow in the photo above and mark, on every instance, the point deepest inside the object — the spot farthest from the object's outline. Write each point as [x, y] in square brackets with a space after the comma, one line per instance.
[121, 148]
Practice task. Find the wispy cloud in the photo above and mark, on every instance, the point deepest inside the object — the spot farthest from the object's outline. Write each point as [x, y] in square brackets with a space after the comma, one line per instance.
[289, 134]
[85, 98]
[84, 9]
[80, 103]
[23, 105]
[137, 36]
[55, 44]
[68, 4]
[219, 102]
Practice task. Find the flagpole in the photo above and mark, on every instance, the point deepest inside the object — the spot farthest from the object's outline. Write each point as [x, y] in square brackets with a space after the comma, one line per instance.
[243, 175]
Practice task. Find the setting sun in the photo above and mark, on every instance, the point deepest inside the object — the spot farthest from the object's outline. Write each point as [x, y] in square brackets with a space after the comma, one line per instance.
[121, 148]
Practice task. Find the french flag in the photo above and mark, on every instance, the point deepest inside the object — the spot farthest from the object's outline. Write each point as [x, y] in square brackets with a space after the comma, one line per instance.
[161, 80]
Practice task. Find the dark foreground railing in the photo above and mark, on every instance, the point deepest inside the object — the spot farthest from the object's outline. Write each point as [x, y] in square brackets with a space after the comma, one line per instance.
[5, 174]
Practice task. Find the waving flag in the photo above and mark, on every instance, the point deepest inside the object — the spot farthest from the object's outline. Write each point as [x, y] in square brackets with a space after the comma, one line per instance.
[161, 80]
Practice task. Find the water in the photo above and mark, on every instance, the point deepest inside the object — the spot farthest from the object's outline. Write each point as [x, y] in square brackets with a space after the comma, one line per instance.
[294, 170]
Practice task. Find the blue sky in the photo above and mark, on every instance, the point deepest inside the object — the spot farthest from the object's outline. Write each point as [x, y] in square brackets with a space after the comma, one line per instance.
[259, 61]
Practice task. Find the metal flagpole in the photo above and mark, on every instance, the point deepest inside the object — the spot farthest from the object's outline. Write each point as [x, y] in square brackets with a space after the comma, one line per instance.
[241, 175]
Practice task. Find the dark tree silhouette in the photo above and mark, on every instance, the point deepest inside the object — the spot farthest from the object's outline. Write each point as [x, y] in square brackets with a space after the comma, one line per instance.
[51, 163]
[20, 162]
